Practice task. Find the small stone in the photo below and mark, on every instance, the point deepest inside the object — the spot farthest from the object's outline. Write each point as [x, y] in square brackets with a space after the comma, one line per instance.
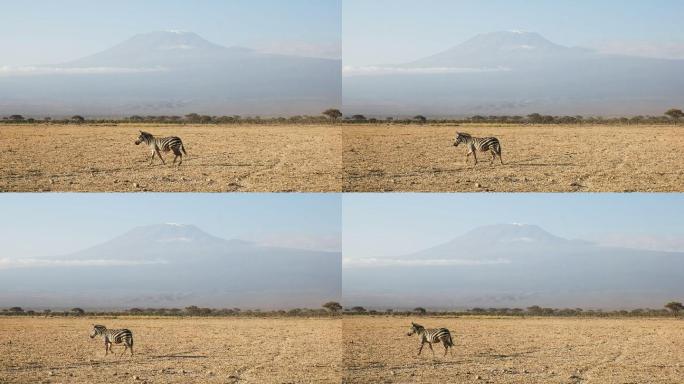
[52, 181]
[525, 371]
[182, 371]
[210, 373]
[209, 180]
[136, 185]
[50, 373]
[477, 185]
[478, 377]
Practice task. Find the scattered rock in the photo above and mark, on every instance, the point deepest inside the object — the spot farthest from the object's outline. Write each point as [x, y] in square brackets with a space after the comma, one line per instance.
[393, 373]
[50, 373]
[574, 377]
[575, 184]
[477, 185]
[526, 371]
[210, 373]
[478, 377]
[209, 180]
[136, 377]
[52, 181]
[182, 371]
[136, 185]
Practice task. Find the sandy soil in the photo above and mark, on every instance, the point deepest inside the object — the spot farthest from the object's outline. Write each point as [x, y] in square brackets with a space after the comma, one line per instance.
[220, 159]
[537, 159]
[512, 350]
[190, 350]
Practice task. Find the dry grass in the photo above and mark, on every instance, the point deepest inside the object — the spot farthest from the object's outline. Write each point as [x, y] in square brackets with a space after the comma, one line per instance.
[537, 159]
[511, 350]
[220, 159]
[224, 350]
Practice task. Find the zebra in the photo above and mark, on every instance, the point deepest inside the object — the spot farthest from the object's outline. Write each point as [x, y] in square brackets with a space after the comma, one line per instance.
[113, 336]
[165, 144]
[482, 144]
[430, 336]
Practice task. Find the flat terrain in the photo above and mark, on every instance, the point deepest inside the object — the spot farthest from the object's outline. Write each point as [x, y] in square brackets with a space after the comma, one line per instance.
[537, 159]
[201, 350]
[511, 350]
[220, 158]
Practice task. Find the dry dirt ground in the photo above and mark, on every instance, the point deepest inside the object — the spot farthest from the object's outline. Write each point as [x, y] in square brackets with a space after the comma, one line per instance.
[220, 159]
[512, 350]
[190, 350]
[536, 159]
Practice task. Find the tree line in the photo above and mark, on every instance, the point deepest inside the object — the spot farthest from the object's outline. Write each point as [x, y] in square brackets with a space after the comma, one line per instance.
[332, 115]
[333, 308]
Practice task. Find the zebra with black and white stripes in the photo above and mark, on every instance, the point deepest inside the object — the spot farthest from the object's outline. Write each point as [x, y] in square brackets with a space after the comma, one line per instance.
[164, 144]
[113, 336]
[482, 144]
[430, 336]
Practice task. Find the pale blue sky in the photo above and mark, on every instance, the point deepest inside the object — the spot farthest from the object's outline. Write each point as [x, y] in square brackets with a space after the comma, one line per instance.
[35, 225]
[382, 225]
[47, 31]
[396, 31]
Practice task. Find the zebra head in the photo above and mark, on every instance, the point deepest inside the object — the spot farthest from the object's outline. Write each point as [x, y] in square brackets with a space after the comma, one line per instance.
[97, 330]
[460, 138]
[415, 328]
[144, 137]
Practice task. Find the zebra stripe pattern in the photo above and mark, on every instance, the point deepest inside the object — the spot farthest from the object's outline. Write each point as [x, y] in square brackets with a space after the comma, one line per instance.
[430, 336]
[113, 336]
[164, 144]
[482, 144]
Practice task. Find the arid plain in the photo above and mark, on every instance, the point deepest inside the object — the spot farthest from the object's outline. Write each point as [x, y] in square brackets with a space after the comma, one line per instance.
[172, 350]
[516, 350]
[104, 158]
[541, 158]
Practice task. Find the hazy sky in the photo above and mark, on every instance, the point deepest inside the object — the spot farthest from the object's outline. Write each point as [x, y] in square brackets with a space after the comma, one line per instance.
[377, 225]
[47, 32]
[35, 225]
[396, 31]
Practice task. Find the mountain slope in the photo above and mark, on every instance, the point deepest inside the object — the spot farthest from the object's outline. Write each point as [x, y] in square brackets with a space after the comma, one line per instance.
[176, 265]
[175, 73]
[519, 73]
[534, 267]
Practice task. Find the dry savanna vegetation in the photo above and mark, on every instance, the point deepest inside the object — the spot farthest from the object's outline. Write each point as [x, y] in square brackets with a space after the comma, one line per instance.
[94, 158]
[172, 350]
[538, 158]
[516, 350]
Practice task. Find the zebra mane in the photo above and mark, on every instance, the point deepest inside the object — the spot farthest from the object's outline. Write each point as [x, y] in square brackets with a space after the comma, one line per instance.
[99, 327]
[463, 134]
[417, 326]
[146, 134]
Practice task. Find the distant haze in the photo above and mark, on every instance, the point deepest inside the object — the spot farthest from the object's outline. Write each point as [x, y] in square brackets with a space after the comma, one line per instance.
[173, 265]
[515, 265]
[515, 73]
[175, 73]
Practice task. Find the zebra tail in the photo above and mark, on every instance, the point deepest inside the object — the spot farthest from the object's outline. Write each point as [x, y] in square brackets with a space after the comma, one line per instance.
[183, 149]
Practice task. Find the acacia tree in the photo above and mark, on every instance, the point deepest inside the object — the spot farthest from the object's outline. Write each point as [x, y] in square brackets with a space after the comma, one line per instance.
[420, 119]
[675, 307]
[77, 119]
[675, 114]
[332, 306]
[420, 310]
[333, 114]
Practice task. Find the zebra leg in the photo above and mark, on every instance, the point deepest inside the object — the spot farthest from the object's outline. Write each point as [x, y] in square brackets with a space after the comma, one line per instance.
[421, 348]
[152, 159]
[475, 157]
[467, 157]
[160, 156]
[433, 351]
[493, 157]
[181, 159]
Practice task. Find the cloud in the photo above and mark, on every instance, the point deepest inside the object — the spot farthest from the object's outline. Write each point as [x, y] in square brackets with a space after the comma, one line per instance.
[332, 50]
[380, 262]
[329, 243]
[7, 263]
[672, 50]
[9, 71]
[646, 242]
[381, 70]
